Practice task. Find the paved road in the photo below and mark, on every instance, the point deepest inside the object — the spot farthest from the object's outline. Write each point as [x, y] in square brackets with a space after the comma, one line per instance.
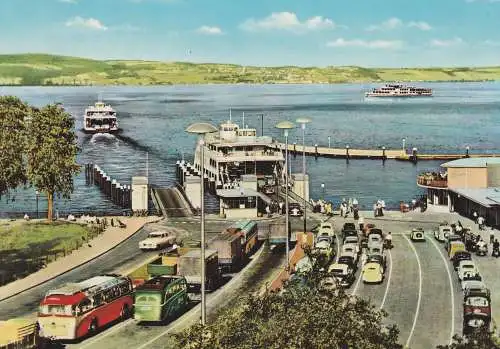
[416, 291]
[132, 335]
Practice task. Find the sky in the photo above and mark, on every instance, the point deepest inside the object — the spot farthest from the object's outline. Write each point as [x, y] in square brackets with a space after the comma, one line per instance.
[384, 33]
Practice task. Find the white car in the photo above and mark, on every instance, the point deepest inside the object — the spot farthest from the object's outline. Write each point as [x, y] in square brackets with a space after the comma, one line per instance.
[466, 267]
[326, 228]
[471, 281]
[351, 248]
[351, 240]
[157, 240]
[442, 233]
[417, 235]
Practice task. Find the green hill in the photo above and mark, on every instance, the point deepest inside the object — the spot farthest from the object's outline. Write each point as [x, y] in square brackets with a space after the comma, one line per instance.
[43, 69]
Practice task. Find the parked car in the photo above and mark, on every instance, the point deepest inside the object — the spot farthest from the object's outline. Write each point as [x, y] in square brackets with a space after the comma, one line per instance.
[349, 258]
[344, 273]
[375, 240]
[455, 247]
[326, 228]
[351, 248]
[349, 226]
[351, 240]
[295, 209]
[346, 233]
[417, 235]
[469, 280]
[373, 272]
[461, 256]
[466, 266]
[443, 231]
[157, 240]
[450, 239]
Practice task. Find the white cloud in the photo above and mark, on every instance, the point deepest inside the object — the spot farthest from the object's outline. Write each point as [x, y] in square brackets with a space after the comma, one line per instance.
[447, 43]
[374, 44]
[69, 1]
[491, 43]
[394, 23]
[288, 21]
[207, 30]
[89, 23]
[420, 25]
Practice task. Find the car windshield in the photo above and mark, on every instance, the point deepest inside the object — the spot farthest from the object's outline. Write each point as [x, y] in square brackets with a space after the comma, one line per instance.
[155, 235]
[348, 249]
[337, 271]
[467, 266]
[372, 268]
[56, 309]
[477, 301]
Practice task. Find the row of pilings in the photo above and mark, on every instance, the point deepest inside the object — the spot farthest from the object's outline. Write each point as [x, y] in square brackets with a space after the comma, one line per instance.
[185, 169]
[119, 194]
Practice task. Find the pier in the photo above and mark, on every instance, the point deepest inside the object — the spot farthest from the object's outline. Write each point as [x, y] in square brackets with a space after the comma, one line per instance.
[381, 153]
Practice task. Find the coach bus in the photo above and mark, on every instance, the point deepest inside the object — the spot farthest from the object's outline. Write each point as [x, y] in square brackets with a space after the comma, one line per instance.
[76, 310]
[249, 231]
[161, 298]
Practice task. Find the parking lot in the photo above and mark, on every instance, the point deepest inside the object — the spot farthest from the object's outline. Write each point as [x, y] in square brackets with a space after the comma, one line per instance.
[421, 291]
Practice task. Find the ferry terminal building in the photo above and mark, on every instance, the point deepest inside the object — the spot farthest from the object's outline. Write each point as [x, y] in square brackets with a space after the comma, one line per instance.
[469, 184]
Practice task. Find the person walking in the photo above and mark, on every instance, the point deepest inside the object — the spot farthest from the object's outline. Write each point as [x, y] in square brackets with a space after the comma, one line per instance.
[474, 215]
[361, 222]
[480, 222]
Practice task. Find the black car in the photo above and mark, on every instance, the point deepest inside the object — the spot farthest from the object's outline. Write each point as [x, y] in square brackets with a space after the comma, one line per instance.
[348, 260]
[346, 280]
[349, 226]
[460, 256]
[295, 209]
[346, 233]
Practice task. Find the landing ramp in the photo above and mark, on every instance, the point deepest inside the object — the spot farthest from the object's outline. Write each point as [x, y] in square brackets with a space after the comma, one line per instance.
[171, 202]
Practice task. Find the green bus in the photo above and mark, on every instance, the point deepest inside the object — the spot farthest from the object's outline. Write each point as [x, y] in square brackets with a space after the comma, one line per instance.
[160, 298]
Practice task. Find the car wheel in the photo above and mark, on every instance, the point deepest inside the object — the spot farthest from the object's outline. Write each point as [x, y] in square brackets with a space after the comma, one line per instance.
[125, 313]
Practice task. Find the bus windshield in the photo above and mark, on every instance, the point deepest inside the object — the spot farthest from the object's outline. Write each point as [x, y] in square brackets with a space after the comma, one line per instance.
[56, 309]
[147, 299]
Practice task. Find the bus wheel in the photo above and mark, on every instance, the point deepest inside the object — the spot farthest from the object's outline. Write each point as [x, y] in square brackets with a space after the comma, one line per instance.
[125, 313]
[93, 326]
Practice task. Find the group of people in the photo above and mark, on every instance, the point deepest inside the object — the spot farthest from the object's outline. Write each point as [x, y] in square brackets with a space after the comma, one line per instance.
[474, 242]
[480, 221]
[322, 206]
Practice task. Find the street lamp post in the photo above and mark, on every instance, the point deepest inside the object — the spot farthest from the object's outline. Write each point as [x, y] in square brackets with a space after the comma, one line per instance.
[37, 193]
[201, 129]
[303, 122]
[286, 125]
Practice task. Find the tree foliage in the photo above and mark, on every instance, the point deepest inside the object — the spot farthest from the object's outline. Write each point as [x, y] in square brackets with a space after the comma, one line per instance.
[304, 315]
[51, 153]
[481, 340]
[13, 113]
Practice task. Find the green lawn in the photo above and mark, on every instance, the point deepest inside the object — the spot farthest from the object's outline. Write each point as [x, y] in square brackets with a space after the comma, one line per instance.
[44, 69]
[40, 237]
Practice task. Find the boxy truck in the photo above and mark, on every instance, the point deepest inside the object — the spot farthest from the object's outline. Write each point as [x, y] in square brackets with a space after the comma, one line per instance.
[189, 266]
[229, 249]
[277, 233]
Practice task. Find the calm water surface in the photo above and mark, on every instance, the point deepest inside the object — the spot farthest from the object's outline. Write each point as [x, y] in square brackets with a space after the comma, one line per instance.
[153, 120]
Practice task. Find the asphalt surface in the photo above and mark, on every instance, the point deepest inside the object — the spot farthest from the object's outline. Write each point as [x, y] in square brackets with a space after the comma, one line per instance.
[416, 291]
[420, 291]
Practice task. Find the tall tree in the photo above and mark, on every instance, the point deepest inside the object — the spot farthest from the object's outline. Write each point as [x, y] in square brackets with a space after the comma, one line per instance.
[51, 153]
[480, 340]
[13, 113]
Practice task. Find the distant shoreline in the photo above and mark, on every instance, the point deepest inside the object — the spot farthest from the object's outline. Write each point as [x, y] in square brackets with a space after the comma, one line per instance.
[52, 70]
[264, 83]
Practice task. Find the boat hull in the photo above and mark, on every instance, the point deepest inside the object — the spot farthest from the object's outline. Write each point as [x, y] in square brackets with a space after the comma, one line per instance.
[100, 131]
[377, 95]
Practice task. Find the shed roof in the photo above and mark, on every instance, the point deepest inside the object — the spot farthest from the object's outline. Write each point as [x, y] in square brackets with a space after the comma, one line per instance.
[486, 197]
[472, 162]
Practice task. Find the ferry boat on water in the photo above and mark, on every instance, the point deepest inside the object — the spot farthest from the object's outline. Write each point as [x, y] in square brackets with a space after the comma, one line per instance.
[398, 90]
[235, 151]
[100, 118]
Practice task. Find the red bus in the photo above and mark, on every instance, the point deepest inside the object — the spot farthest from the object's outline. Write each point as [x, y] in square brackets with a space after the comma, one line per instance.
[78, 309]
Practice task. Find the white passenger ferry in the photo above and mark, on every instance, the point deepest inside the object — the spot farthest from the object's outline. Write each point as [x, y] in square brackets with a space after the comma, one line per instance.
[235, 151]
[100, 118]
[397, 90]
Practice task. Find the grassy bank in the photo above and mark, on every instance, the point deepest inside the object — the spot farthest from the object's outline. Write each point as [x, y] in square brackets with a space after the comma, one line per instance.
[31, 237]
[48, 70]
[26, 247]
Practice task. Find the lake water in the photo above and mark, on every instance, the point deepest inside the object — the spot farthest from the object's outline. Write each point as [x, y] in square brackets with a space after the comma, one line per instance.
[154, 119]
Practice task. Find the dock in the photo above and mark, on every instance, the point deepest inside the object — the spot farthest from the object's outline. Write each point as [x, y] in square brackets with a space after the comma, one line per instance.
[376, 154]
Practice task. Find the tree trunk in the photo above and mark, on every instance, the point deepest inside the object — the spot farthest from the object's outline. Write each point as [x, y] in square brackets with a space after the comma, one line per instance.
[50, 201]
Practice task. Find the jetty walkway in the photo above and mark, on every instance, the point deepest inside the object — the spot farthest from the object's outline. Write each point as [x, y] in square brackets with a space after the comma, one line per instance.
[376, 154]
